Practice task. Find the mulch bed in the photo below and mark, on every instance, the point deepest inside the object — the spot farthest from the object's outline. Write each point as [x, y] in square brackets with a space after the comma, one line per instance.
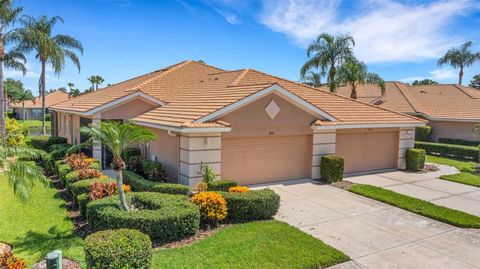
[344, 185]
[202, 234]
[81, 225]
[428, 168]
[66, 264]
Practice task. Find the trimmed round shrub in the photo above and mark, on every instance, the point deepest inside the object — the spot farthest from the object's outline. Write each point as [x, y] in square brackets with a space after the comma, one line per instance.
[164, 217]
[113, 249]
[62, 171]
[252, 205]
[331, 168]
[423, 133]
[221, 185]
[415, 159]
[138, 183]
[82, 200]
[83, 186]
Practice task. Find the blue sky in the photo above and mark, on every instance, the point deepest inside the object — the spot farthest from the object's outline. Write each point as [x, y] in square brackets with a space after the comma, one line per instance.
[400, 40]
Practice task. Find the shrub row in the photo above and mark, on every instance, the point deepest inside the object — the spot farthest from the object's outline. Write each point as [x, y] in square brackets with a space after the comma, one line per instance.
[331, 168]
[221, 185]
[123, 248]
[44, 142]
[83, 186]
[249, 206]
[459, 142]
[138, 183]
[423, 133]
[450, 151]
[164, 217]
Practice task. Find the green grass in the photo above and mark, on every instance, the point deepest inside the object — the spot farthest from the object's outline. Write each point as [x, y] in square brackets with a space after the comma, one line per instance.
[34, 123]
[268, 244]
[38, 226]
[467, 168]
[424, 208]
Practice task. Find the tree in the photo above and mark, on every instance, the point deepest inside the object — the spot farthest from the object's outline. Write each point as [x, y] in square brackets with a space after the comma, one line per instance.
[475, 82]
[74, 92]
[48, 49]
[460, 58]
[95, 80]
[11, 89]
[12, 59]
[329, 52]
[21, 175]
[424, 82]
[313, 79]
[354, 73]
[25, 95]
[116, 137]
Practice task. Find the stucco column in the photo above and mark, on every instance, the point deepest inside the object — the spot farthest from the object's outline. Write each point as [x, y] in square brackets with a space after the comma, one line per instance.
[97, 145]
[406, 140]
[323, 144]
[196, 149]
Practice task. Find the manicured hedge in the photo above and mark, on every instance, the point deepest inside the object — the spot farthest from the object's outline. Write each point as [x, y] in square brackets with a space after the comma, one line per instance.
[138, 183]
[331, 168]
[221, 185]
[63, 170]
[83, 186]
[415, 159]
[423, 133]
[164, 217]
[459, 142]
[450, 151]
[253, 205]
[44, 142]
[82, 201]
[113, 249]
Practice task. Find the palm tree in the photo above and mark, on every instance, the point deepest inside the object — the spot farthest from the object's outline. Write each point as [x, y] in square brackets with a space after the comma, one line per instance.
[116, 137]
[329, 52]
[460, 58]
[354, 72]
[21, 175]
[25, 96]
[51, 50]
[95, 80]
[12, 59]
[313, 79]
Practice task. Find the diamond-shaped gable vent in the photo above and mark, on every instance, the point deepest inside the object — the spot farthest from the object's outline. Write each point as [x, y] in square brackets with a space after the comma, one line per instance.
[272, 109]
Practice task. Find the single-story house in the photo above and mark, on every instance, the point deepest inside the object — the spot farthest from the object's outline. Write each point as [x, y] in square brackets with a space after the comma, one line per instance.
[249, 126]
[33, 110]
[451, 110]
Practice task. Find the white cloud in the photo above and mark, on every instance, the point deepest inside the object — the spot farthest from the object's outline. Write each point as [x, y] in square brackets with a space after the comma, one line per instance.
[384, 30]
[228, 16]
[441, 74]
[33, 71]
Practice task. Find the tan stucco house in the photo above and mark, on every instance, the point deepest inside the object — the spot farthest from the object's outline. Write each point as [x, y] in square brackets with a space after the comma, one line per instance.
[451, 110]
[249, 126]
[33, 110]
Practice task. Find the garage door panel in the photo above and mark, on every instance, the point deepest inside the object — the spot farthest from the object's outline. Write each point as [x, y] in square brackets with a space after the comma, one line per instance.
[266, 159]
[365, 151]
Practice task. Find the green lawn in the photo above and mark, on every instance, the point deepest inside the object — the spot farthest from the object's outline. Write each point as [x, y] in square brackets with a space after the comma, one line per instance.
[467, 168]
[421, 207]
[39, 226]
[269, 244]
[34, 123]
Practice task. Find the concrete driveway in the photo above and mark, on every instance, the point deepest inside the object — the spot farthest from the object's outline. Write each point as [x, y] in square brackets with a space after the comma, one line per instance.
[428, 186]
[373, 234]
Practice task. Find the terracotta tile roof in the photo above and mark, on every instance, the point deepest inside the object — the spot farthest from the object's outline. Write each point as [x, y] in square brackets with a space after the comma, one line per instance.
[192, 90]
[50, 100]
[445, 101]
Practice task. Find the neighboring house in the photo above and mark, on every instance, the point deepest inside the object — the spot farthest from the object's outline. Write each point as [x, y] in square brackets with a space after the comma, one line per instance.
[33, 110]
[249, 126]
[451, 110]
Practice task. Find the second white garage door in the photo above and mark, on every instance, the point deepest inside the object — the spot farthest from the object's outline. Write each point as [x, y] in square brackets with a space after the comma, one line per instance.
[367, 150]
[266, 159]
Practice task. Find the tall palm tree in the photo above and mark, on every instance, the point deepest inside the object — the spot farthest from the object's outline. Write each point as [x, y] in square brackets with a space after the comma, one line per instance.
[460, 58]
[116, 137]
[48, 49]
[95, 80]
[329, 52]
[26, 95]
[354, 73]
[313, 79]
[12, 59]
[21, 175]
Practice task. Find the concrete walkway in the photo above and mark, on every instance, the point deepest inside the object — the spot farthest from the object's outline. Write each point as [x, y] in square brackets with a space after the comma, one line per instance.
[373, 234]
[428, 186]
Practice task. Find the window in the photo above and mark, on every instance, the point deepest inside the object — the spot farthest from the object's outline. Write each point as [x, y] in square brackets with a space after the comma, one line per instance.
[36, 112]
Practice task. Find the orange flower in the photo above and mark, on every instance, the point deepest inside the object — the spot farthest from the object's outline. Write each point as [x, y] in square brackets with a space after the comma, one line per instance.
[127, 188]
[212, 205]
[238, 189]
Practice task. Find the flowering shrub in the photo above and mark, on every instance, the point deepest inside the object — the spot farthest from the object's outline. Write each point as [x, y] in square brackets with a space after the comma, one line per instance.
[15, 135]
[78, 161]
[100, 190]
[89, 173]
[8, 261]
[212, 205]
[239, 189]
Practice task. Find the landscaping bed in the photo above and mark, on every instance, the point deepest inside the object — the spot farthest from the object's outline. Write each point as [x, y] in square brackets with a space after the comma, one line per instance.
[266, 244]
[468, 173]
